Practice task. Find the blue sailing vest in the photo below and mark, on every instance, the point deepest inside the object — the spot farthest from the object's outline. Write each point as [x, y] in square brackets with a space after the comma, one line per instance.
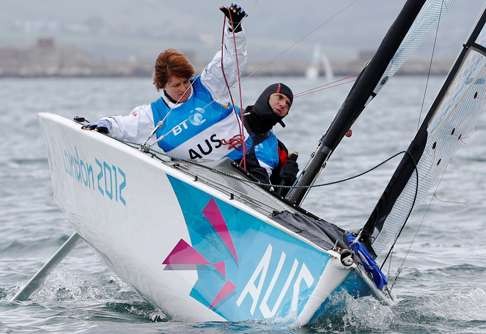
[267, 151]
[200, 128]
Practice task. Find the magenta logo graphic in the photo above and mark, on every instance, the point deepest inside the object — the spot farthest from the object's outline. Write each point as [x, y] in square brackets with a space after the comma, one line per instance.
[185, 257]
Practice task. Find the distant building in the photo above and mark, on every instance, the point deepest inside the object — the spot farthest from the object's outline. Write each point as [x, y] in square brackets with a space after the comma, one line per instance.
[46, 43]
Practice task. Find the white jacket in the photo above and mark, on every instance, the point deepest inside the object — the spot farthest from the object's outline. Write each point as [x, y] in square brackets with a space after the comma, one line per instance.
[137, 126]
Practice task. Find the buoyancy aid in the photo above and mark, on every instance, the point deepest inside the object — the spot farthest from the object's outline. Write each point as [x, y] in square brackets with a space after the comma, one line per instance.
[199, 128]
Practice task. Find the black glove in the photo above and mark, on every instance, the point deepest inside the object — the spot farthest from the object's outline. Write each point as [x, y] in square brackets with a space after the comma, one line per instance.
[102, 126]
[255, 170]
[235, 14]
[288, 173]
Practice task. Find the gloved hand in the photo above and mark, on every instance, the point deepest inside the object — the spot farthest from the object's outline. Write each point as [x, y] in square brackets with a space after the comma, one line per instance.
[102, 126]
[253, 167]
[235, 14]
[288, 173]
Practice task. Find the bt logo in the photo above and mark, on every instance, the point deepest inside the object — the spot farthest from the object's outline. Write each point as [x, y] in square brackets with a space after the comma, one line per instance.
[196, 118]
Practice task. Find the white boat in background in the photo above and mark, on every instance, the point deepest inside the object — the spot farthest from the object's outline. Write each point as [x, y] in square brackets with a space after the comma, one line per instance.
[320, 62]
[205, 243]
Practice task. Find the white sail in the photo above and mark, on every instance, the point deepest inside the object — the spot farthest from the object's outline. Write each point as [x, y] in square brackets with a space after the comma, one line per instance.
[427, 20]
[450, 120]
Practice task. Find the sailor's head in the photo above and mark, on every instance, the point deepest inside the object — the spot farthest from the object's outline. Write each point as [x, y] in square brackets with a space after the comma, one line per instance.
[173, 73]
[271, 107]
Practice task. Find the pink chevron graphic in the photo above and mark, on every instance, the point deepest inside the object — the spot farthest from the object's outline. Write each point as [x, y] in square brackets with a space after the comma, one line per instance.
[184, 254]
[215, 218]
[220, 268]
[185, 257]
[225, 291]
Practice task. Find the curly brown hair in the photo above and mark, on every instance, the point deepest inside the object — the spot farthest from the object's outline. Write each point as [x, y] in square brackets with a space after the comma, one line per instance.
[171, 62]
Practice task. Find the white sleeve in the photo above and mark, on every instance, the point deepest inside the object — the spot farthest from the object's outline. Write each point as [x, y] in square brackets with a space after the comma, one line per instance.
[135, 127]
[212, 75]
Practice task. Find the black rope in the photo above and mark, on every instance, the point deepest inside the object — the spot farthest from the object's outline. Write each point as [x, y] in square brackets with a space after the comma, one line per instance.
[212, 169]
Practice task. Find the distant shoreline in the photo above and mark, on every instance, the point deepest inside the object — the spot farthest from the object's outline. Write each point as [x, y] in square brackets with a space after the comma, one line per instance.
[143, 76]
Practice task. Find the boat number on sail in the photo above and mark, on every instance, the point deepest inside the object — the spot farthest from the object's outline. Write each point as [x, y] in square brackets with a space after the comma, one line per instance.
[107, 179]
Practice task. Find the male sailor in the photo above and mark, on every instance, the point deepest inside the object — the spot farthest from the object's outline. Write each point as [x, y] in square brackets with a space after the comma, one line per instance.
[267, 159]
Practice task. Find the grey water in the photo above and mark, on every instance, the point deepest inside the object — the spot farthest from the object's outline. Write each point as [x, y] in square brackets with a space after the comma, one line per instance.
[442, 255]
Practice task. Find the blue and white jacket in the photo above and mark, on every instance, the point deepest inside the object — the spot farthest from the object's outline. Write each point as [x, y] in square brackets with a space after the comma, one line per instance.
[203, 127]
[198, 127]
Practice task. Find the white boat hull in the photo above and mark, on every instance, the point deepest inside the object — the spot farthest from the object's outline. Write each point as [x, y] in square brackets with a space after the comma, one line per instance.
[185, 246]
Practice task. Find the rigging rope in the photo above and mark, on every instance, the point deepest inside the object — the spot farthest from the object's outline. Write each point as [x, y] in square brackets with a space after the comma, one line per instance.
[328, 19]
[156, 154]
[238, 117]
[326, 85]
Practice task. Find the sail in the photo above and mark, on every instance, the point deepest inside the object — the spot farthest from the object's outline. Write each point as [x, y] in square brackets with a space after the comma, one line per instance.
[426, 21]
[416, 19]
[451, 119]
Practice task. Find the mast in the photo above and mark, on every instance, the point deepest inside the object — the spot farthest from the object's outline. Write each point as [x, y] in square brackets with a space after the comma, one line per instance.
[363, 91]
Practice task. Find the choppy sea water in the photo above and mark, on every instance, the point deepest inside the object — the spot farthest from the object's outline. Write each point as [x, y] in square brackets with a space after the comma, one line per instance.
[442, 285]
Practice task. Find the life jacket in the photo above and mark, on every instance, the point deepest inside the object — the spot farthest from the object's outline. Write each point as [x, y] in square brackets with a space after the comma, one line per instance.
[283, 156]
[199, 128]
[267, 150]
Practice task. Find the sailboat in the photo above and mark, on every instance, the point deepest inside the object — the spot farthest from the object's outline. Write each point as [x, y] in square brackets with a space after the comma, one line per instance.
[318, 59]
[204, 242]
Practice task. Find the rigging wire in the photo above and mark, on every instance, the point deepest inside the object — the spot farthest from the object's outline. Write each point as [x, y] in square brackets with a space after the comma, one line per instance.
[326, 21]
[407, 253]
[400, 267]
[420, 225]
[409, 212]
[326, 85]
[430, 63]
[238, 117]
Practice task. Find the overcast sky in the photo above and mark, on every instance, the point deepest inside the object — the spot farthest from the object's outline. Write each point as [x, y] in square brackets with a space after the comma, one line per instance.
[141, 28]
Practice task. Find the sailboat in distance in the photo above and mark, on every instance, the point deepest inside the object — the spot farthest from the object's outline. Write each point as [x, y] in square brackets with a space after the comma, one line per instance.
[203, 242]
[319, 62]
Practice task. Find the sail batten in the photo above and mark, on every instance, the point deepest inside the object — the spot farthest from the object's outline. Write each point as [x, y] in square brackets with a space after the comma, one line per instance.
[450, 119]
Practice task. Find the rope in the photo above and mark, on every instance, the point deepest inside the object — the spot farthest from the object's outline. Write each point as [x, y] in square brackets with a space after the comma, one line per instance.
[327, 85]
[238, 119]
[212, 169]
[311, 91]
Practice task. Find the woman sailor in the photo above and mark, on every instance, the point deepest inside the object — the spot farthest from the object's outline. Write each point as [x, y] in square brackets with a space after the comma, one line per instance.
[192, 119]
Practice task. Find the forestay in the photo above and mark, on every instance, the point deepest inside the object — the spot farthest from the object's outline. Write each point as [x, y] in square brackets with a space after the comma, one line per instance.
[450, 120]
